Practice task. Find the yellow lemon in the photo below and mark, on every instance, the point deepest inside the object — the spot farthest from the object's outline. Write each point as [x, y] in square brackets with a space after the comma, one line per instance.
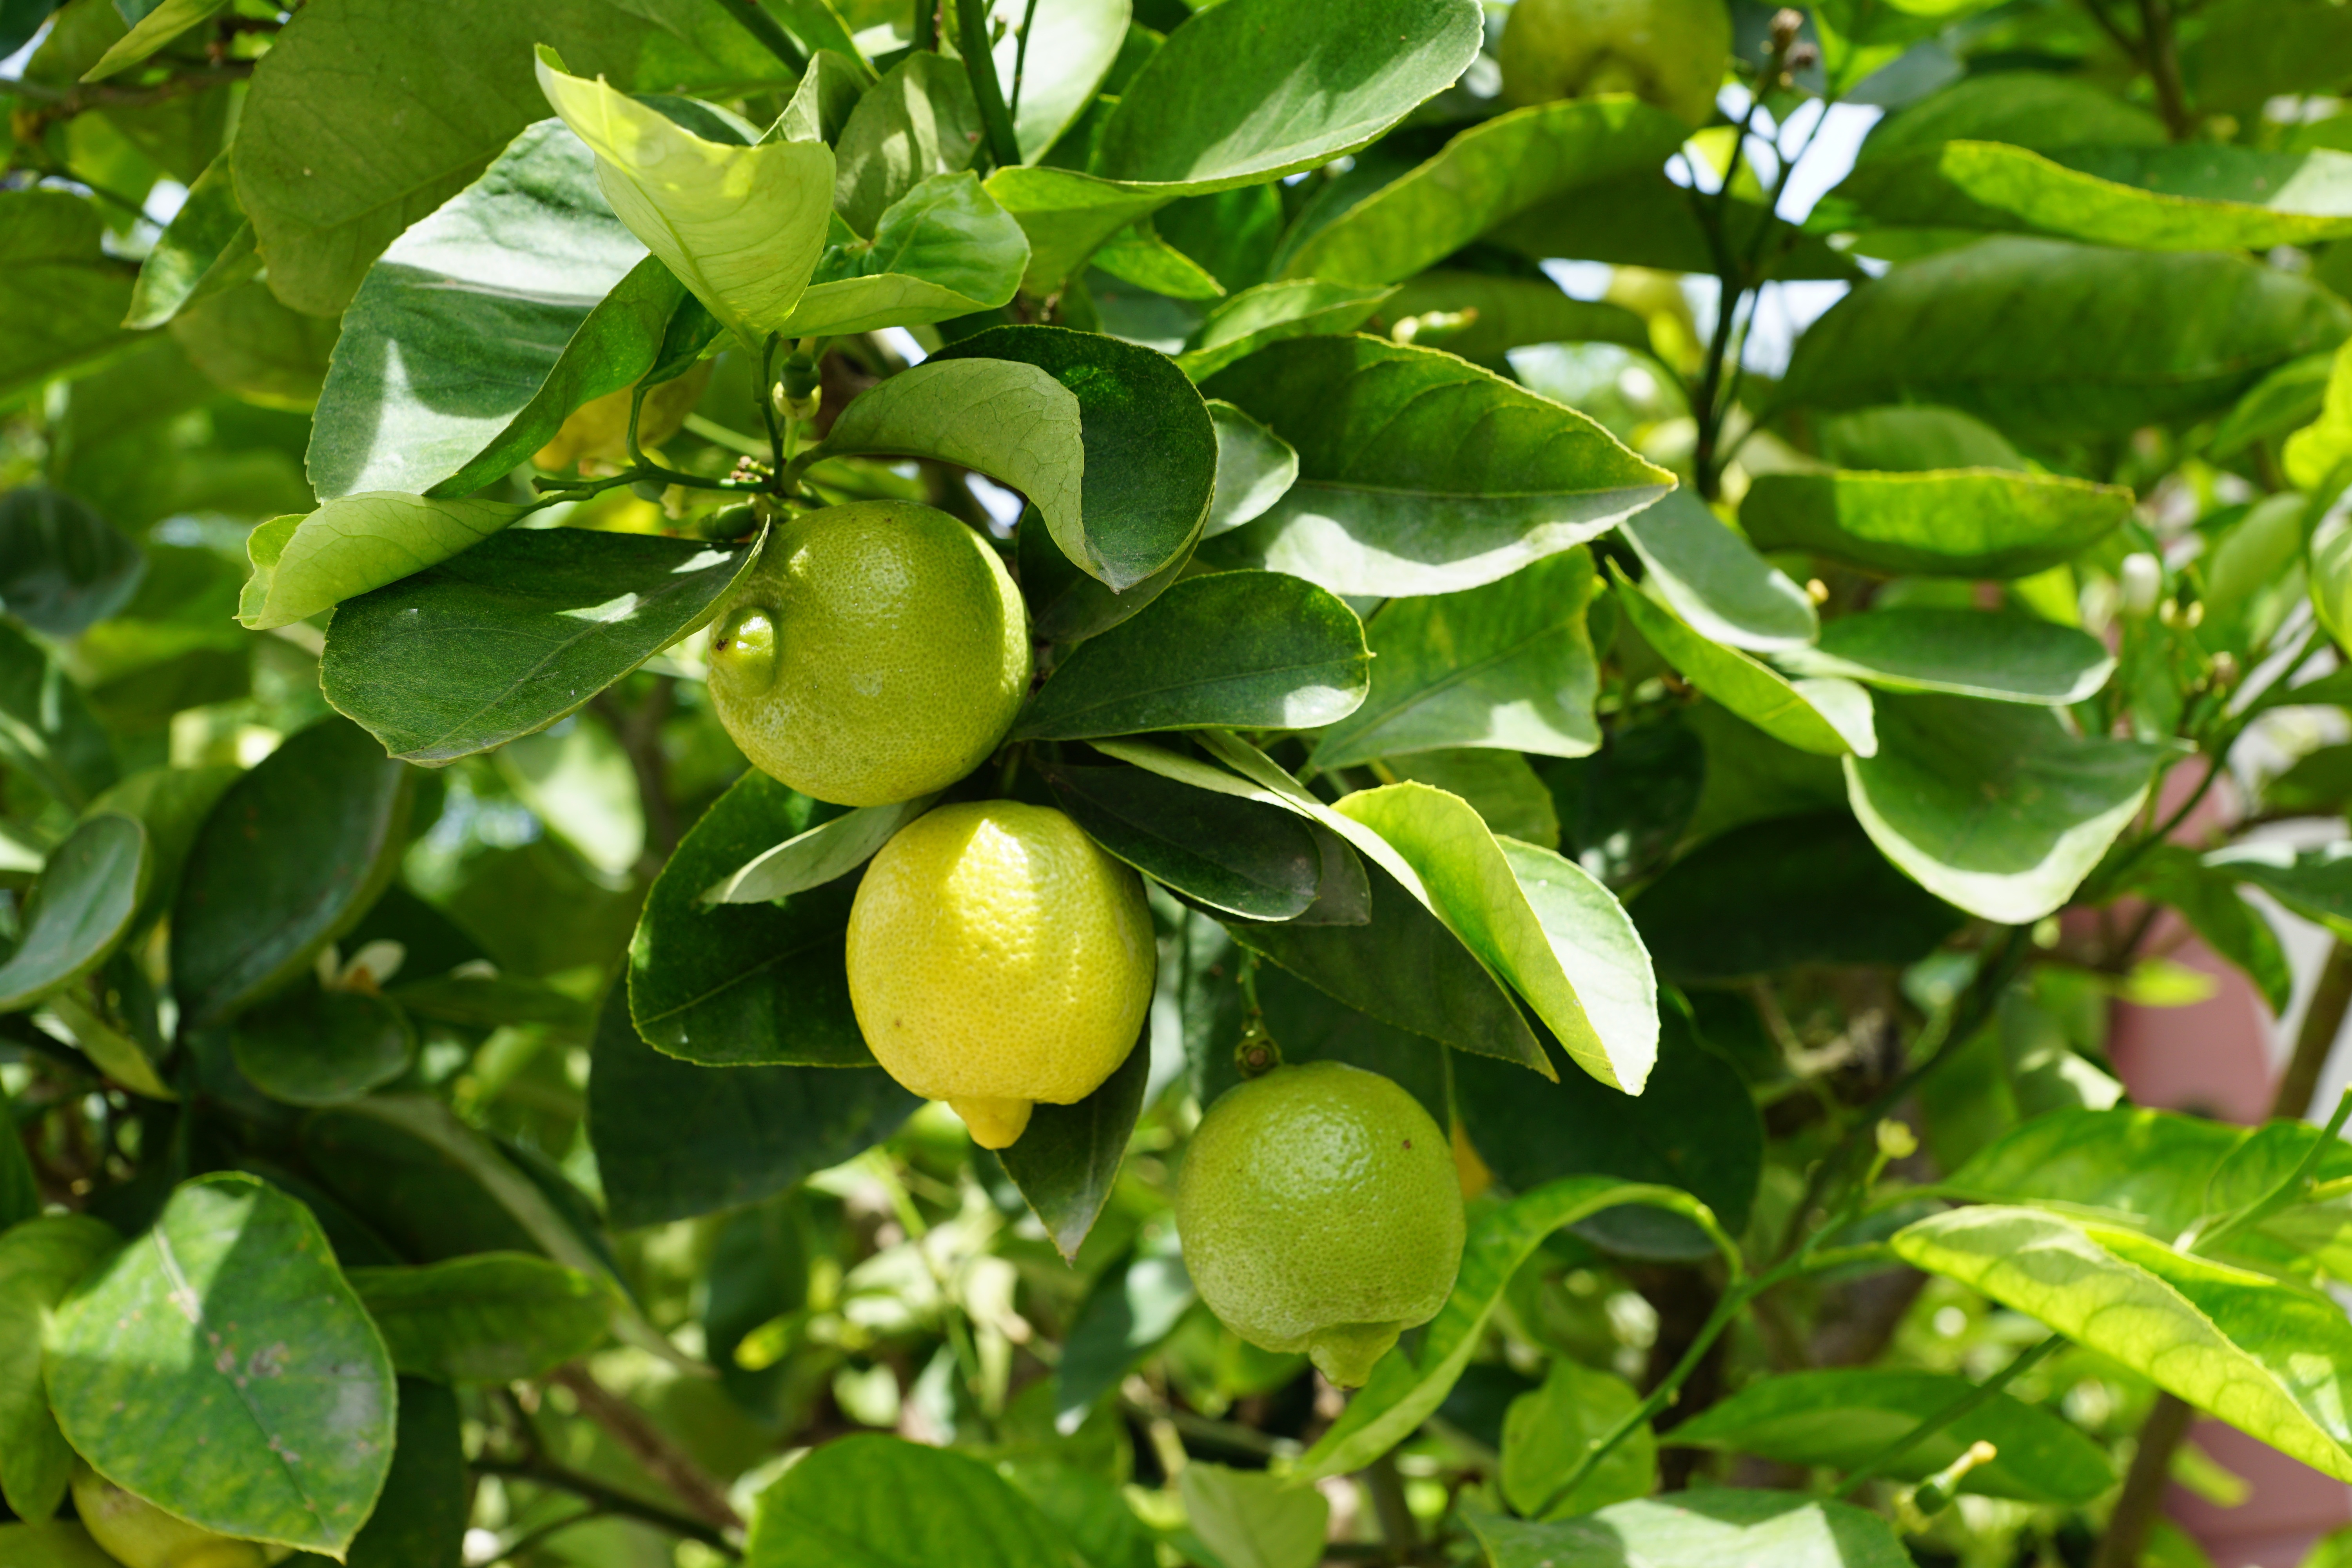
[1671, 53]
[1320, 1211]
[138, 1534]
[999, 957]
[877, 652]
[598, 430]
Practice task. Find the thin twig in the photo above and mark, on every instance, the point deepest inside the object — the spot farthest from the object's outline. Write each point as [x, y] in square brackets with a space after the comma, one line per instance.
[980, 64]
[2163, 63]
[543, 1472]
[1981, 1394]
[650, 1447]
[64, 103]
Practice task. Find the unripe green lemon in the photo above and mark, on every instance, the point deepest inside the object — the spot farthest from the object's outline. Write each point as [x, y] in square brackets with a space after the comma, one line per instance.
[138, 1534]
[1320, 1211]
[876, 652]
[999, 957]
[1671, 53]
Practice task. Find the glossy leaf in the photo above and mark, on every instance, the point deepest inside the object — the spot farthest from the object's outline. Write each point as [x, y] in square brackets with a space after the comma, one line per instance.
[1909, 438]
[816, 856]
[81, 908]
[495, 1317]
[944, 249]
[66, 296]
[509, 637]
[1239, 649]
[851, 1496]
[1067, 1158]
[1419, 473]
[485, 325]
[1255, 467]
[1835, 900]
[1251, 1520]
[2268, 1358]
[1714, 579]
[1995, 806]
[2315, 883]
[40, 1260]
[737, 985]
[2039, 110]
[1962, 523]
[1507, 665]
[1271, 312]
[1965, 653]
[302, 566]
[1257, 861]
[420, 1519]
[316, 1046]
[2312, 452]
[1648, 220]
[918, 120]
[2049, 339]
[1547, 1434]
[282, 1430]
[1406, 1389]
[1492, 315]
[151, 32]
[62, 566]
[1502, 786]
[1827, 717]
[1844, 1417]
[1700, 1529]
[207, 246]
[47, 730]
[288, 860]
[1050, 60]
[742, 227]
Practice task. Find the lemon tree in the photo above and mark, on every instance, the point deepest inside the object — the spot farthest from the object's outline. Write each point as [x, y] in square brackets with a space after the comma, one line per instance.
[1119, 782]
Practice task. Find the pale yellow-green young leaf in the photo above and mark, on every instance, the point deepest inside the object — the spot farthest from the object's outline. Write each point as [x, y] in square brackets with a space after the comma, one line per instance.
[303, 564]
[2315, 450]
[742, 226]
[2331, 576]
[151, 33]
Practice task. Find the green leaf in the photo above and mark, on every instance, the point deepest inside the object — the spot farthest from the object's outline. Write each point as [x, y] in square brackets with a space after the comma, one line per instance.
[1842, 1417]
[751, 1131]
[1967, 653]
[944, 249]
[420, 1519]
[742, 985]
[1421, 474]
[81, 908]
[1827, 717]
[2314, 452]
[1255, 861]
[40, 1260]
[20, 1192]
[207, 246]
[1714, 579]
[2315, 883]
[1050, 61]
[1486, 174]
[62, 566]
[1547, 1434]
[1701, 1529]
[2268, 1358]
[2207, 897]
[1995, 806]
[65, 296]
[316, 1046]
[1501, 786]
[47, 731]
[742, 227]
[2209, 197]
[1242, 649]
[1539, 920]
[1271, 312]
[1406, 1389]
[848, 1500]
[282, 1429]
[57, 1544]
[1137, 255]
[2047, 339]
[1151, 451]
[2038, 109]
[256, 904]
[1132, 1307]
[1910, 439]
[303, 565]
[509, 637]
[1251, 1520]
[2252, 51]
[151, 32]
[251, 344]
[1648, 220]
[1694, 1127]
[1835, 900]
[1255, 467]
[816, 856]
[1506, 665]
[918, 120]
[1960, 523]
[1499, 315]
[495, 1317]
[1066, 1161]
[485, 325]
[2149, 1169]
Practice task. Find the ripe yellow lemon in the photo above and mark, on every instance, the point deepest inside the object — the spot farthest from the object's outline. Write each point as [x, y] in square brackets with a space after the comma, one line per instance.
[877, 652]
[999, 957]
[138, 1534]
[1671, 53]
[1320, 1211]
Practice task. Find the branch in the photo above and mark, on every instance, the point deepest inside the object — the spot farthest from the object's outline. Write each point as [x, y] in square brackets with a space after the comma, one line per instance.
[1982, 1393]
[63, 102]
[548, 1473]
[2163, 63]
[650, 1447]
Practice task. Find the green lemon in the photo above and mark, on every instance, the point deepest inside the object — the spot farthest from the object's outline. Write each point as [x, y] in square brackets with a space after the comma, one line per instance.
[999, 957]
[876, 652]
[1671, 53]
[138, 1534]
[1321, 1211]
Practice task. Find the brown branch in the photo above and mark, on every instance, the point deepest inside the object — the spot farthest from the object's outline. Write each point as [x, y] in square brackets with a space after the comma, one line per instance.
[604, 1499]
[2163, 63]
[638, 730]
[64, 103]
[652, 1448]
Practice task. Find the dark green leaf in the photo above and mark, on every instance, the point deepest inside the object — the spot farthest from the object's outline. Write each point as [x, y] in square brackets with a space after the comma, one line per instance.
[2315, 883]
[1236, 856]
[282, 1429]
[509, 637]
[495, 1317]
[1623, 809]
[420, 1520]
[673, 1140]
[65, 296]
[1067, 1158]
[316, 1046]
[45, 729]
[81, 908]
[1962, 523]
[2251, 50]
[252, 346]
[62, 566]
[2208, 899]
[1908, 438]
[741, 984]
[1241, 649]
[288, 860]
[849, 1502]
[1648, 220]
[1418, 473]
[40, 1260]
[57, 1544]
[1834, 900]
[1547, 1431]
[1703, 1529]
[1131, 1307]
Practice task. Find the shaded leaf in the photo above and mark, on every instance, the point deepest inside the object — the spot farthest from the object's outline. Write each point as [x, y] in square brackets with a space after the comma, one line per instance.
[62, 566]
[1255, 467]
[1827, 717]
[207, 246]
[47, 731]
[40, 1260]
[1271, 312]
[1700, 1529]
[918, 120]
[851, 1496]
[1547, 1434]
[1133, 1306]
[1067, 1158]
[65, 296]
[495, 1317]
[944, 249]
[316, 1046]
[81, 908]
[1251, 1519]
[1258, 861]
[2207, 897]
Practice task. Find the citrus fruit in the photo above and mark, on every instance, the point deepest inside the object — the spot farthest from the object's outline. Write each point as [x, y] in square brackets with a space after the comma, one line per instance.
[999, 957]
[138, 1534]
[598, 430]
[1671, 53]
[876, 652]
[1320, 1211]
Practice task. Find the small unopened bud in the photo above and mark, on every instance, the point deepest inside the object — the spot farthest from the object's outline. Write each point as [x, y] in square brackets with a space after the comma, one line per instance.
[1896, 1141]
[791, 407]
[1817, 591]
[2225, 668]
[1935, 1493]
[2193, 617]
[1787, 22]
[2143, 579]
[1804, 57]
